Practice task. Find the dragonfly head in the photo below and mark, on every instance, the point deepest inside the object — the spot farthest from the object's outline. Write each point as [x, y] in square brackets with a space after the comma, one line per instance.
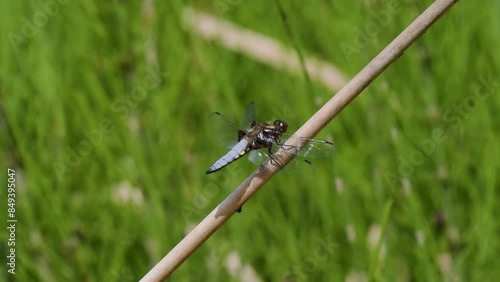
[280, 126]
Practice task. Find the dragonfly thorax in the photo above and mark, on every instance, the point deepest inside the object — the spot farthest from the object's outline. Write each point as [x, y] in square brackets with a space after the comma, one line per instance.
[263, 135]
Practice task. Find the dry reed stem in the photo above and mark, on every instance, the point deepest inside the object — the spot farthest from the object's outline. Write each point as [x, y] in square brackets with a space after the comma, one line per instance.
[319, 120]
[262, 49]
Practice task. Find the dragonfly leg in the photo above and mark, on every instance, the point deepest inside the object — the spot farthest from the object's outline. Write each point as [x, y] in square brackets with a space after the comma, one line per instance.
[290, 149]
[271, 156]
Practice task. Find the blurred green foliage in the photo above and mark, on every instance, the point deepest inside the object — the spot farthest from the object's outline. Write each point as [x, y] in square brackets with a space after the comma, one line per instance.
[103, 118]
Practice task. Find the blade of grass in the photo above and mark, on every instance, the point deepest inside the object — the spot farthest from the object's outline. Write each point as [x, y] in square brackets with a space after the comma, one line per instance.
[374, 264]
[319, 120]
[295, 44]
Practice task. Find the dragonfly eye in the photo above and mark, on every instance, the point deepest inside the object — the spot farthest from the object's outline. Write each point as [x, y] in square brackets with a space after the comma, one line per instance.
[280, 125]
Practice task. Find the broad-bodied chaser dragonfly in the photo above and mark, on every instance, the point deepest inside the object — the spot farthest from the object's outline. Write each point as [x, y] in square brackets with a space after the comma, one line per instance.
[254, 138]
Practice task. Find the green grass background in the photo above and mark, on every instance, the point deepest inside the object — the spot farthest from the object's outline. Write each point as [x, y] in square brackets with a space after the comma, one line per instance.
[80, 67]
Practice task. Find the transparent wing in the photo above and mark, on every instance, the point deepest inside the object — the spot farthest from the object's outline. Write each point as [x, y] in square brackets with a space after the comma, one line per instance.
[315, 148]
[250, 119]
[225, 132]
[297, 166]
[258, 157]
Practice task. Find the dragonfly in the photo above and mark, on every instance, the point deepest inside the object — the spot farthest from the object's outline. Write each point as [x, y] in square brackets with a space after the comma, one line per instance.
[261, 140]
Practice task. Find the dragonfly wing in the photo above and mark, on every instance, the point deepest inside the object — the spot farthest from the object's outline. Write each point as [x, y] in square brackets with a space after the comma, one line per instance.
[224, 130]
[298, 166]
[314, 148]
[250, 119]
[258, 157]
